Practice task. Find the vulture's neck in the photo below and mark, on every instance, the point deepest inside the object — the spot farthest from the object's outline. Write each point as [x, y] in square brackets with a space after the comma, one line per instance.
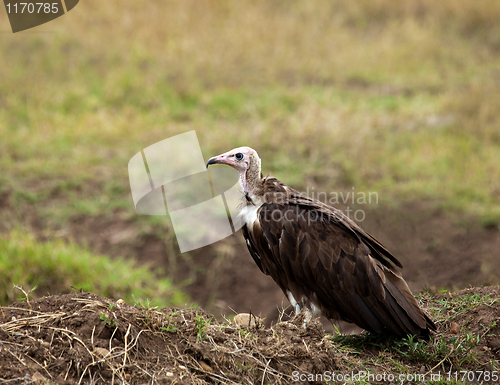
[251, 179]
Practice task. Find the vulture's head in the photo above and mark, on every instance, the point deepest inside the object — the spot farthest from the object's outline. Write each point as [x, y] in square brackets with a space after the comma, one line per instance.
[246, 161]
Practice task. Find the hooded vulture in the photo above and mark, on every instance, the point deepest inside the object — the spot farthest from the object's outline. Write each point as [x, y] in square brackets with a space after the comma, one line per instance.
[319, 257]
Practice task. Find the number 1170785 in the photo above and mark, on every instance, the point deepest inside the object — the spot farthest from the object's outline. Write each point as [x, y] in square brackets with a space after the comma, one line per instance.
[32, 8]
[478, 375]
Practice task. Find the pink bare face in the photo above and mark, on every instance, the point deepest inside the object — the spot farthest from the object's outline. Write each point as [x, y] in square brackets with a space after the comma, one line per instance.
[238, 158]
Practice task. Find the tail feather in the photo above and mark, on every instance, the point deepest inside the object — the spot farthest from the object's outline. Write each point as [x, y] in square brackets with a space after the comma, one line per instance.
[398, 312]
[404, 306]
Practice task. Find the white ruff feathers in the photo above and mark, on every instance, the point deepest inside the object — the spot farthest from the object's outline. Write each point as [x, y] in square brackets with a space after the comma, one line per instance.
[248, 214]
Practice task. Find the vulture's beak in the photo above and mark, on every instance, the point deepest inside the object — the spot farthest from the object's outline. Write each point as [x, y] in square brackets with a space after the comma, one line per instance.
[213, 160]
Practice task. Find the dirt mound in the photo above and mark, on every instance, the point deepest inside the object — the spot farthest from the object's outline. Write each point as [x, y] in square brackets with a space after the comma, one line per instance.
[85, 339]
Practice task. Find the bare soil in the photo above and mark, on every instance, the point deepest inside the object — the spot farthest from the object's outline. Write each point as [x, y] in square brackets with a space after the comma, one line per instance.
[83, 338]
[86, 339]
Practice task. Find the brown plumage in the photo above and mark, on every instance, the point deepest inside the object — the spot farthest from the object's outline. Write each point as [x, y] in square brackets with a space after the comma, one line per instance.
[320, 258]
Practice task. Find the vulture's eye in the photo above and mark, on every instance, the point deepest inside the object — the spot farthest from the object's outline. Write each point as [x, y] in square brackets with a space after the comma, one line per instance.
[239, 156]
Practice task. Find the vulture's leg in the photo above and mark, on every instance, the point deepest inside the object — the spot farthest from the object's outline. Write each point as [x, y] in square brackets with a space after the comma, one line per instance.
[307, 317]
[297, 305]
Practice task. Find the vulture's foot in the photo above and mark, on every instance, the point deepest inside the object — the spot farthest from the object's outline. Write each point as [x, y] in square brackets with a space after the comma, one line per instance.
[307, 317]
[302, 312]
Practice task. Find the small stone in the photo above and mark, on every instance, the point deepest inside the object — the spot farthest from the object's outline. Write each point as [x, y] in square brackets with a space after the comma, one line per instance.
[169, 374]
[454, 328]
[101, 352]
[38, 377]
[206, 367]
[485, 348]
[247, 320]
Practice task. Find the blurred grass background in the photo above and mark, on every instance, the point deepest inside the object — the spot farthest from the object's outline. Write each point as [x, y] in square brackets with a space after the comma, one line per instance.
[401, 98]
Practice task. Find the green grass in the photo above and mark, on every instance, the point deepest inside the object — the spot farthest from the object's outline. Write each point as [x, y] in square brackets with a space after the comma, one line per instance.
[445, 350]
[201, 325]
[59, 267]
[442, 351]
[457, 305]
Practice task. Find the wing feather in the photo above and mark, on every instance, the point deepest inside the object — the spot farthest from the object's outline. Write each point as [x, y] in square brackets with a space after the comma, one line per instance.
[333, 264]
